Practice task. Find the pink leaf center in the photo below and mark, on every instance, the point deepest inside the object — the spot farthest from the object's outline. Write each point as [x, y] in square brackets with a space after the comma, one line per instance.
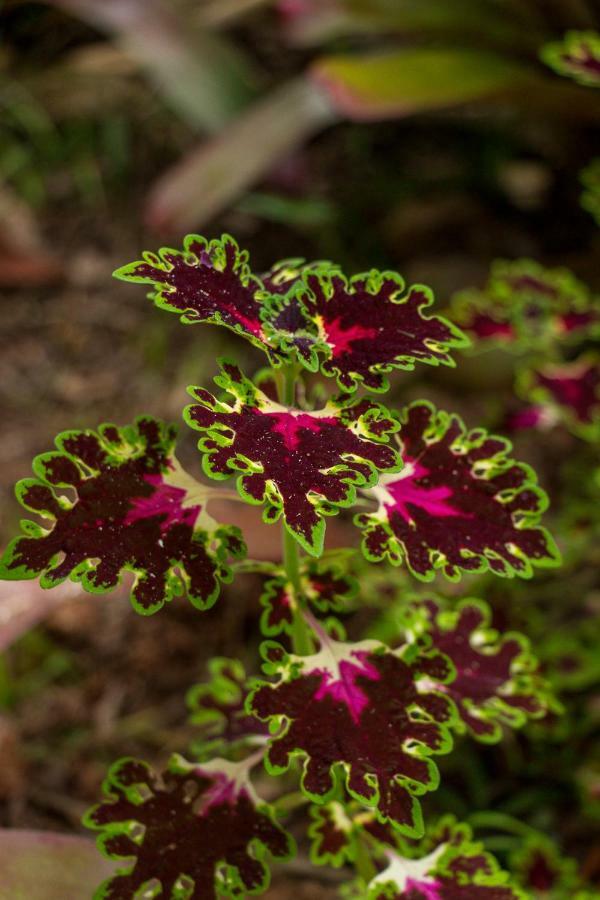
[289, 426]
[405, 489]
[344, 689]
[166, 501]
[341, 339]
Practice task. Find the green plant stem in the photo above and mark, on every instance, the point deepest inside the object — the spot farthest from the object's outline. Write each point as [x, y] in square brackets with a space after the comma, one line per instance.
[365, 867]
[301, 637]
[289, 802]
[288, 390]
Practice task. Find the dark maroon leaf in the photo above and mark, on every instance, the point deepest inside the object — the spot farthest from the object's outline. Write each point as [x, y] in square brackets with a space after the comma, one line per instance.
[218, 710]
[336, 705]
[577, 56]
[209, 281]
[568, 392]
[303, 465]
[114, 501]
[196, 831]
[496, 679]
[460, 503]
[373, 323]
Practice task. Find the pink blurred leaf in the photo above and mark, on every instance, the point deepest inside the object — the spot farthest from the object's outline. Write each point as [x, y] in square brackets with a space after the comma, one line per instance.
[38, 865]
[213, 175]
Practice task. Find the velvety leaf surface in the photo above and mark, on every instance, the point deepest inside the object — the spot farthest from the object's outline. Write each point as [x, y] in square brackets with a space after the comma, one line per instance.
[129, 507]
[525, 306]
[577, 56]
[209, 281]
[336, 705]
[455, 869]
[495, 679]
[303, 465]
[218, 710]
[569, 392]
[372, 323]
[42, 865]
[325, 587]
[195, 831]
[460, 503]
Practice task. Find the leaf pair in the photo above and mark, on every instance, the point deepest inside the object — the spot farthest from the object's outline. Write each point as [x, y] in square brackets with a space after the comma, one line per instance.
[355, 329]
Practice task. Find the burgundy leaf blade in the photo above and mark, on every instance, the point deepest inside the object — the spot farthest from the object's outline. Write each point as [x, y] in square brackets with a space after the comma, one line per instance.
[567, 392]
[524, 306]
[302, 465]
[459, 504]
[496, 675]
[337, 704]
[196, 830]
[209, 281]
[134, 510]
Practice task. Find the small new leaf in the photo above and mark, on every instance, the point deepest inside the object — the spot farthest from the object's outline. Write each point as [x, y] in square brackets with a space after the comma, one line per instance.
[218, 711]
[194, 832]
[335, 706]
[117, 500]
[459, 504]
[303, 465]
[324, 585]
[543, 870]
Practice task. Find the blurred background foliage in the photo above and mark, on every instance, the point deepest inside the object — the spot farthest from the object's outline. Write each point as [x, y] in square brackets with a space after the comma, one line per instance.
[425, 136]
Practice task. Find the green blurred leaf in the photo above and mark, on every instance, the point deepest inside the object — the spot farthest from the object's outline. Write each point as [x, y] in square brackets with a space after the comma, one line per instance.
[403, 82]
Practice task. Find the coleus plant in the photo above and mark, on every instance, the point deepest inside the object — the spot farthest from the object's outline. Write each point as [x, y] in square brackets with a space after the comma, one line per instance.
[357, 722]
